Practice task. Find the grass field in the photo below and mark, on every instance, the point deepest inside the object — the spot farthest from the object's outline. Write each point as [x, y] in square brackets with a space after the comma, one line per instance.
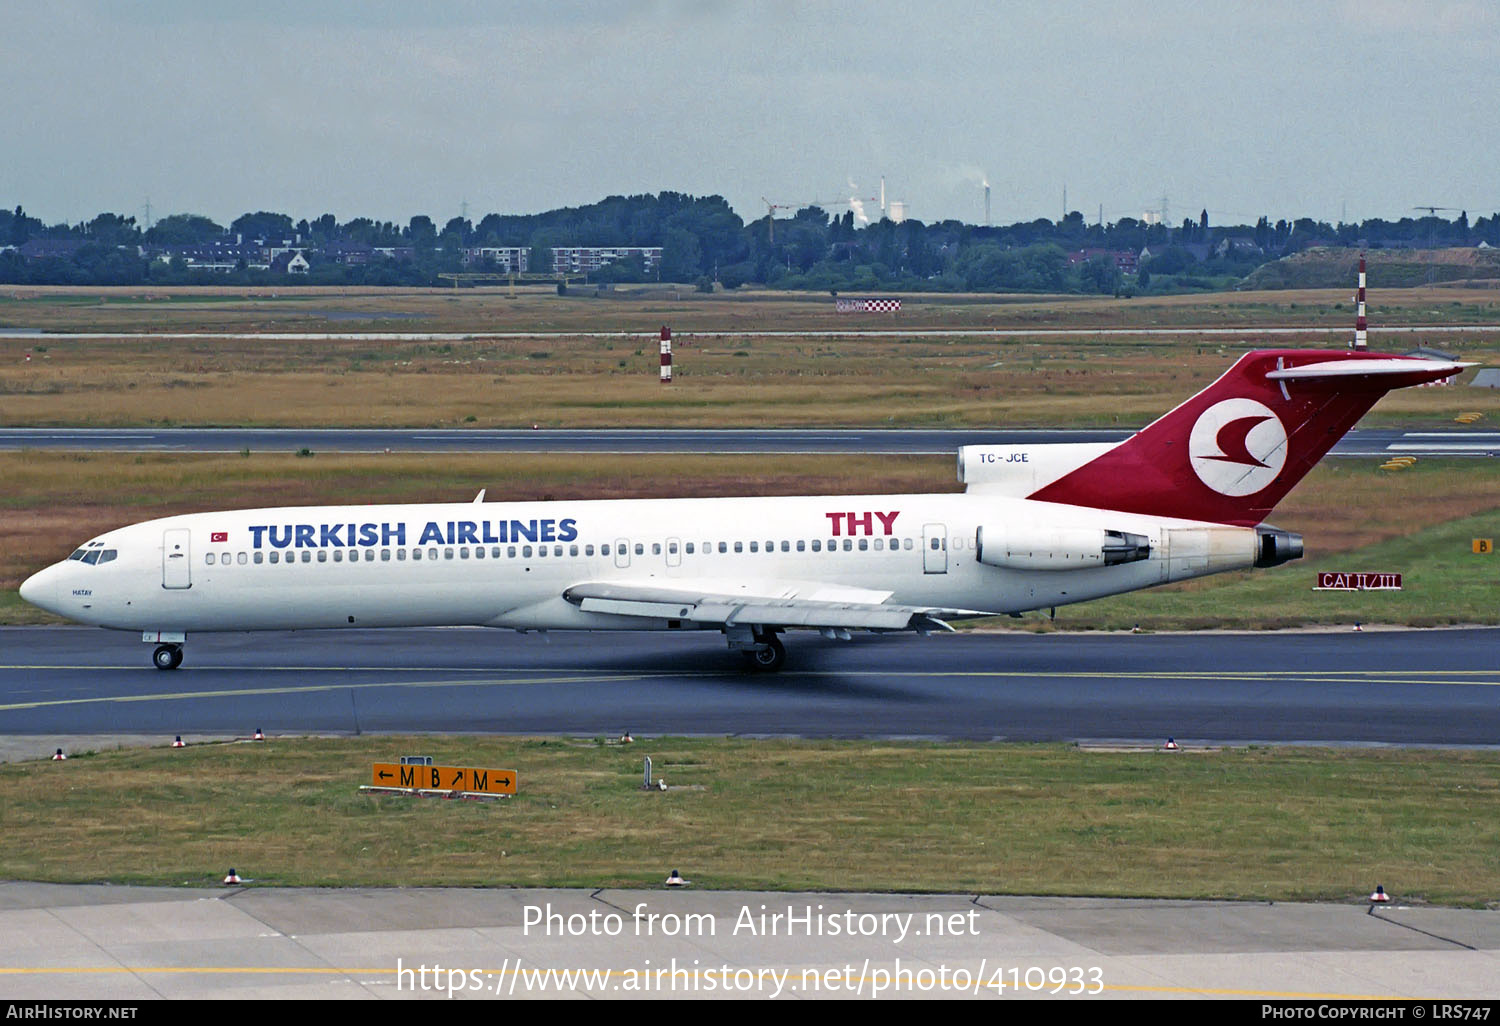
[1078, 379]
[1306, 824]
[646, 307]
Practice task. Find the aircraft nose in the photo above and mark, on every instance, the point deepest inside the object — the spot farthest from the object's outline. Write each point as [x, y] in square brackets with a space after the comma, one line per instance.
[40, 589]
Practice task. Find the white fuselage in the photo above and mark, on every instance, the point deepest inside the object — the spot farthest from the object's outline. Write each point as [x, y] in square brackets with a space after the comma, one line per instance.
[509, 564]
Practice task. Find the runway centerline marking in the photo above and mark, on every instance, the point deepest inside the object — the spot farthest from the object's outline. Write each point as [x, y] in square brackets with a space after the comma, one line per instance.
[605, 677]
[311, 688]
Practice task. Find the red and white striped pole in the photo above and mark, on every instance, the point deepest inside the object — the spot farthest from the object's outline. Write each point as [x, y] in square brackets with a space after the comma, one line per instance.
[666, 355]
[1360, 339]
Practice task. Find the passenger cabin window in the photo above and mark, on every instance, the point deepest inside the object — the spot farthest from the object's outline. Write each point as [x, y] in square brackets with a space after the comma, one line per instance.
[208, 557]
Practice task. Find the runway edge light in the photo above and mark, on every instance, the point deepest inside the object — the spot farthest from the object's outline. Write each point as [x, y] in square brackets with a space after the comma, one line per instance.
[232, 877]
[676, 880]
[177, 743]
[58, 756]
[1170, 746]
[1379, 897]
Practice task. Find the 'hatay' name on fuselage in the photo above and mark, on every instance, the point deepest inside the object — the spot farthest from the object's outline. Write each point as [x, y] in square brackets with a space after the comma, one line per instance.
[451, 532]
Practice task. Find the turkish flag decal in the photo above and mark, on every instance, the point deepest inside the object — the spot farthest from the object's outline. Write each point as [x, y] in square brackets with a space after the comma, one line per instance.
[219, 536]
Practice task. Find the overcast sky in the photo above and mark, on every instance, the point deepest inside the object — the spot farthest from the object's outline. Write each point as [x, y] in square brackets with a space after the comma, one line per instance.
[389, 108]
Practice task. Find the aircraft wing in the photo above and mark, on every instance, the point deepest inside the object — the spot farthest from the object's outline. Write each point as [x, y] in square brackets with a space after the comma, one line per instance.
[773, 603]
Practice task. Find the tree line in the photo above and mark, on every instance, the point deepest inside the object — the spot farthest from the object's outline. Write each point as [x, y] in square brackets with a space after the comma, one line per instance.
[705, 242]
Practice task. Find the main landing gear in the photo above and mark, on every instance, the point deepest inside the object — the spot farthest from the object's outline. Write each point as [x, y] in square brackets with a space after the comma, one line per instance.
[769, 658]
[760, 646]
[167, 657]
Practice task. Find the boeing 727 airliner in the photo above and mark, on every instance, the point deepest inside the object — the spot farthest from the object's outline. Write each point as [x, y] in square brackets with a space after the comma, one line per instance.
[1038, 526]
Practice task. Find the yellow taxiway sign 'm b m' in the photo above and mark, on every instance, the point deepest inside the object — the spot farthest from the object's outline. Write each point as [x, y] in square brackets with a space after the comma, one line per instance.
[444, 778]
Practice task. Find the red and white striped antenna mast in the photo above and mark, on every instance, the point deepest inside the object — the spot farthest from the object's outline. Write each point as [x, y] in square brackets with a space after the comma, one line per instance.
[1361, 341]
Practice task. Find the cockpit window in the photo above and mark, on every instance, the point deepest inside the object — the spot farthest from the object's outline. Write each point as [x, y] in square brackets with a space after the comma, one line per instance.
[94, 553]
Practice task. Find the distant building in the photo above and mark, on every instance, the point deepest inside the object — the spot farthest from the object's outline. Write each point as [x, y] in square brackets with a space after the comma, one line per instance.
[1238, 245]
[506, 259]
[350, 254]
[218, 257]
[583, 259]
[289, 262]
[1124, 261]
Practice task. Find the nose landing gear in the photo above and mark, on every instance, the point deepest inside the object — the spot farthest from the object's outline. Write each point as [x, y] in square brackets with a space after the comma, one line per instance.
[167, 657]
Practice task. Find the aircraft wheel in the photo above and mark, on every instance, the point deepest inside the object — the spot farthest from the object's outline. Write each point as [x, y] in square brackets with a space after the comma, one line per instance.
[167, 657]
[768, 659]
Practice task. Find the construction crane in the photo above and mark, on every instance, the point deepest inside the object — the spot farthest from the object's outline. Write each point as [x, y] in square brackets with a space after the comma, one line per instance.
[771, 209]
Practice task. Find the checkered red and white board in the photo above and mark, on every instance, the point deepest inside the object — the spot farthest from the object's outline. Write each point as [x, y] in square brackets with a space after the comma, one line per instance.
[868, 305]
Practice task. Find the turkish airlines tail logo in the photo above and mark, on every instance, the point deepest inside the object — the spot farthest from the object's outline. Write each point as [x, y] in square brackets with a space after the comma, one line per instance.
[1231, 441]
[1237, 447]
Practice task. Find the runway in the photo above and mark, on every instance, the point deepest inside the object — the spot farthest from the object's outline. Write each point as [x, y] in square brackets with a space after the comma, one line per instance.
[1373, 442]
[1436, 687]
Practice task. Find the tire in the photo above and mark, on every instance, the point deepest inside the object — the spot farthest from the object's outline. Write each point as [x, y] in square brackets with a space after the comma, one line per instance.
[167, 657]
[768, 659]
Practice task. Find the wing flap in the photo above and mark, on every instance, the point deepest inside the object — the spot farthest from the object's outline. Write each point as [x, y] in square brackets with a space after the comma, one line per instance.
[781, 603]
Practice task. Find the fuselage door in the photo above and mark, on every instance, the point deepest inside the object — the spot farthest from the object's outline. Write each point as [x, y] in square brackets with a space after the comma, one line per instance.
[176, 559]
[935, 548]
[622, 553]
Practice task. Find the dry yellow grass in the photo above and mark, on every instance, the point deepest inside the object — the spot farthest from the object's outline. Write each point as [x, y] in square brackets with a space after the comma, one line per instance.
[645, 307]
[593, 382]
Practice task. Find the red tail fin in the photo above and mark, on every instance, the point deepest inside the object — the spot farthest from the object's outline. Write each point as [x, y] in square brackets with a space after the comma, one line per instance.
[1230, 453]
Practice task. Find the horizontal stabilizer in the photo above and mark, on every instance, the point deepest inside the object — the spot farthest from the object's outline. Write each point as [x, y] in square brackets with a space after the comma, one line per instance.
[1427, 370]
